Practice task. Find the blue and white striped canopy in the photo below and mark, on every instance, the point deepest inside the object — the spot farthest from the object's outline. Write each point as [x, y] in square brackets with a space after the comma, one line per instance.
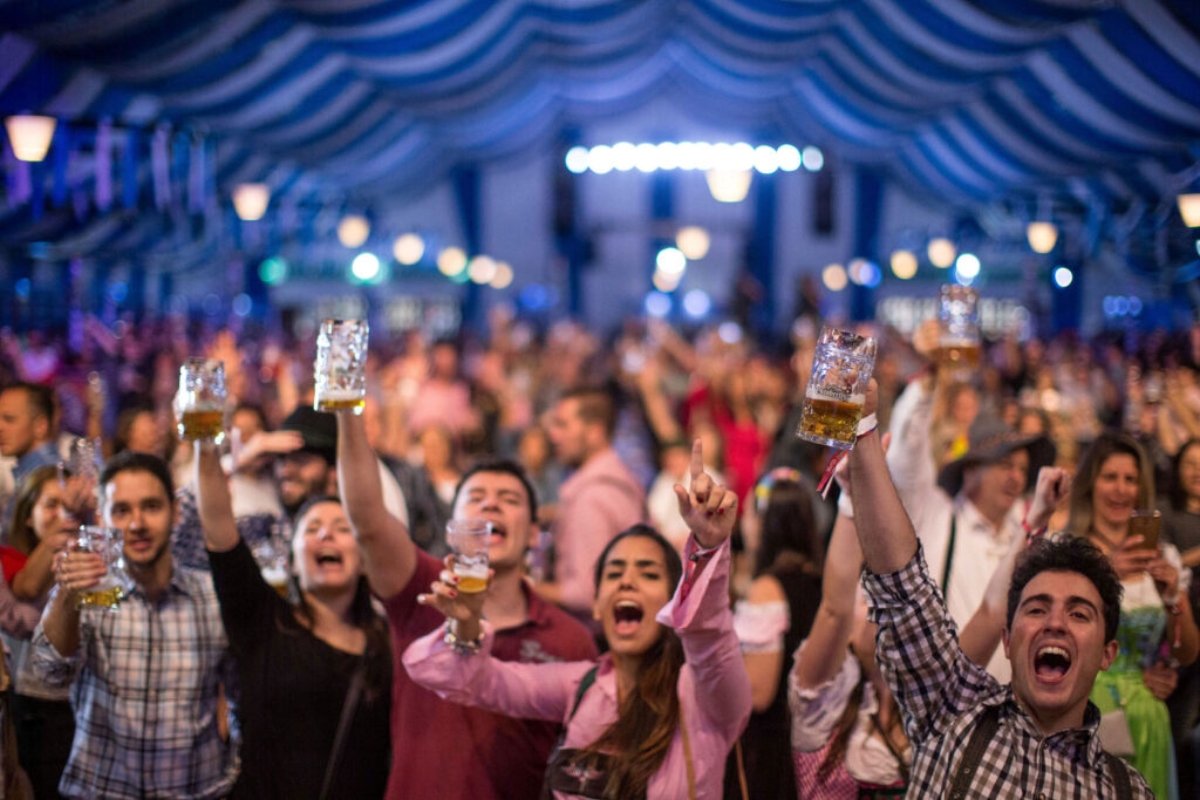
[967, 101]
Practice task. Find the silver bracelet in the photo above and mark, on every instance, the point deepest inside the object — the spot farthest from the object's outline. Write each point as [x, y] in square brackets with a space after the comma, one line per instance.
[462, 647]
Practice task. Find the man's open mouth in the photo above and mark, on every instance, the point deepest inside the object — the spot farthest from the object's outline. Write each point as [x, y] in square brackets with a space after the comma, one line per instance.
[1051, 663]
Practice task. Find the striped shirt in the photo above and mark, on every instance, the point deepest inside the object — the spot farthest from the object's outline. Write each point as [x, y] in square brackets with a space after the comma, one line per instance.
[145, 696]
[942, 695]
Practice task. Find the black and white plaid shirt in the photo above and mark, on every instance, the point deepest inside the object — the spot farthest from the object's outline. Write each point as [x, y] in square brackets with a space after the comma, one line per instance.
[942, 695]
[145, 696]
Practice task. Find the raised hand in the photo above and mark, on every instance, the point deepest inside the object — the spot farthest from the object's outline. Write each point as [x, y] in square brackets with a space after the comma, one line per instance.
[1131, 558]
[708, 509]
[1053, 487]
[465, 609]
[1161, 679]
[77, 571]
[1166, 577]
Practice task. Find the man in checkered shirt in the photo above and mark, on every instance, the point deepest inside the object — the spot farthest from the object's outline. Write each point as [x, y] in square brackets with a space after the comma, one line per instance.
[1063, 606]
[145, 676]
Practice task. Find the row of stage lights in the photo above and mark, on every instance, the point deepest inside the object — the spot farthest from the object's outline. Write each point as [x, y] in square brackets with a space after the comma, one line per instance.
[703, 156]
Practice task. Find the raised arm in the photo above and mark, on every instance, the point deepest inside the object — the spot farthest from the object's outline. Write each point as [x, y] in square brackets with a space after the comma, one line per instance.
[981, 635]
[390, 557]
[834, 623]
[884, 530]
[213, 502]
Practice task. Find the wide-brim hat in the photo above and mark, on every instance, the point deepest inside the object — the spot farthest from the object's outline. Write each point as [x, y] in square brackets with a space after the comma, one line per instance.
[318, 430]
[990, 440]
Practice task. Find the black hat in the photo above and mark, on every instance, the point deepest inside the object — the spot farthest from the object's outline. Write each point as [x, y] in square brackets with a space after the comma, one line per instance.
[317, 428]
[990, 440]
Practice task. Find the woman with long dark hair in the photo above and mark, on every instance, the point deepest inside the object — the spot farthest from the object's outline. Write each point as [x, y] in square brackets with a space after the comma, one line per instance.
[42, 524]
[656, 715]
[771, 621]
[1157, 626]
[314, 677]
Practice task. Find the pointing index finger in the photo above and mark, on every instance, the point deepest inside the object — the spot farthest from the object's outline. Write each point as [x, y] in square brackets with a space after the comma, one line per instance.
[696, 469]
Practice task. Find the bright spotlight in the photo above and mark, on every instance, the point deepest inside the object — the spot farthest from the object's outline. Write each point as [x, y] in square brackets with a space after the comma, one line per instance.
[666, 282]
[481, 269]
[452, 261]
[577, 160]
[646, 157]
[273, 271]
[729, 332]
[353, 230]
[668, 155]
[365, 266]
[812, 158]
[657, 304]
[624, 156]
[671, 260]
[834, 277]
[697, 303]
[685, 155]
[1063, 277]
[503, 277]
[766, 159]
[941, 252]
[693, 241]
[408, 249]
[904, 264]
[967, 265]
[789, 157]
[600, 159]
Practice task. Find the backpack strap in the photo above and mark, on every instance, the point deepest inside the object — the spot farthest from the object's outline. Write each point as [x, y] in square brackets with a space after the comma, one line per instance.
[1120, 776]
[985, 729]
[588, 679]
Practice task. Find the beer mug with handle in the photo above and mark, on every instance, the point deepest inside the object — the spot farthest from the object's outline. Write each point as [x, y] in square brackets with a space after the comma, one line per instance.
[340, 370]
[837, 388]
[200, 401]
[115, 585]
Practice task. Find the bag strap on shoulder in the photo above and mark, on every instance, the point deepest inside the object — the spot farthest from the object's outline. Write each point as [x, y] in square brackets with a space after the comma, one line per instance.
[985, 728]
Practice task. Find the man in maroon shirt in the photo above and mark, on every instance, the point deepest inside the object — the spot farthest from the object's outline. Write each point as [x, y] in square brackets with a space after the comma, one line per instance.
[442, 749]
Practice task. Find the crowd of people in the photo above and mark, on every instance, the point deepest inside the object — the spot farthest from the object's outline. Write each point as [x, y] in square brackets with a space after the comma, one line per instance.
[674, 610]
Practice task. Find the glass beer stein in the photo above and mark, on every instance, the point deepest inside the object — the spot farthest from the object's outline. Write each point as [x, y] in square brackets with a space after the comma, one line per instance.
[837, 388]
[200, 401]
[112, 588]
[959, 340]
[340, 371]
[468, 540]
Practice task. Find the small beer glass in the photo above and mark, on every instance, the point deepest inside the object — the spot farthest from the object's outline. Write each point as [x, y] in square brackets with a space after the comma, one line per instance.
[958, 315]
[837, 388]
[468, 540]
[105, 542]
[340, 371]
[200, 402]
[1146, 523]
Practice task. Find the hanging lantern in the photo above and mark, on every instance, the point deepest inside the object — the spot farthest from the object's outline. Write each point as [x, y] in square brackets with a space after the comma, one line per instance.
[1189, 209]
[1042, 236]
[30, 135]
[250, 201]
[728, 185]
[353, 230]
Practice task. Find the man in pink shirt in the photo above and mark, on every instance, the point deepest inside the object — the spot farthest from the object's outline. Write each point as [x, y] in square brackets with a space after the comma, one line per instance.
[441, 749]
[598, 501]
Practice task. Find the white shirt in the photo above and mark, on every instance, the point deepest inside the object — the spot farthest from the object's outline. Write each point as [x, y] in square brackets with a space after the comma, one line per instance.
[979, 547]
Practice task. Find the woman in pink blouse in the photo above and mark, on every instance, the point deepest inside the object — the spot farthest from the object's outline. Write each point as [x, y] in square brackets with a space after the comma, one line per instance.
[656, 715]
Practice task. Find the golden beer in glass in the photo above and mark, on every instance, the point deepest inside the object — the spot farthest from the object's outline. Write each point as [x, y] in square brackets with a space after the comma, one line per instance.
[110, 590]
[837, 388]
[959, 342]
[340, 369]
[468, 540]
[200, 401]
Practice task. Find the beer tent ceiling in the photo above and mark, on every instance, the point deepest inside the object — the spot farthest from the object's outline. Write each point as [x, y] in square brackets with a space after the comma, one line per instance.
[361, 103]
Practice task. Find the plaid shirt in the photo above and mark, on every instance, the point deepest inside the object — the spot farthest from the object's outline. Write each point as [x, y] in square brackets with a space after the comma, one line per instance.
[145, 696]
[943, 694]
